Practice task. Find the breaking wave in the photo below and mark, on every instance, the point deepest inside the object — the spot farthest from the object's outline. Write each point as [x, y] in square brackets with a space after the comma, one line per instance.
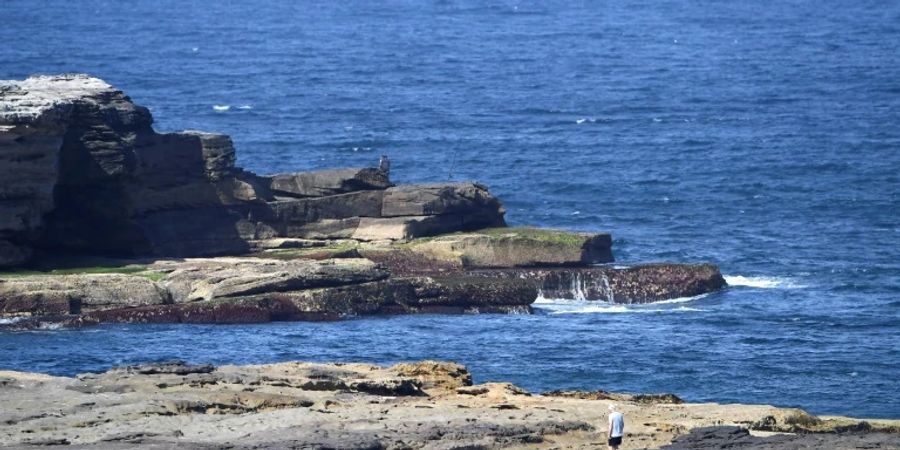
[763, 282]
[565, 306]
[10, 320]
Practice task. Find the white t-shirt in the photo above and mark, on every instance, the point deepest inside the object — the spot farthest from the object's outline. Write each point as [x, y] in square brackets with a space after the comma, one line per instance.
[617, 421]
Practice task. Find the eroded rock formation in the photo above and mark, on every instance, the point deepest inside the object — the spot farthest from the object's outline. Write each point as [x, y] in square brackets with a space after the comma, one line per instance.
[83, 171]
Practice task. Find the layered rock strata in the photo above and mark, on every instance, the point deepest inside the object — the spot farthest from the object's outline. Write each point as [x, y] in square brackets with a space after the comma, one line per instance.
[519, 247]
[426, 405]
[251, 290]
[83, 171]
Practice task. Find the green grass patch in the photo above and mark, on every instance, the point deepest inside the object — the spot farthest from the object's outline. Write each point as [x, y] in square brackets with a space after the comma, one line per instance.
[152, 276]
[132, 269]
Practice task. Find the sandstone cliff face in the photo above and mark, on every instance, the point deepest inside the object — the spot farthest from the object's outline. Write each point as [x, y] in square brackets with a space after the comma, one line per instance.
[82, 170]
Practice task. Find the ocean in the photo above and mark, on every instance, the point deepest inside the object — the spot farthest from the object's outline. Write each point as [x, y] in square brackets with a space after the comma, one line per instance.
[761, 136]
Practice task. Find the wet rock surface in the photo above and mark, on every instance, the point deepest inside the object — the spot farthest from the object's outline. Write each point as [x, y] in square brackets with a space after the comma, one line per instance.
[645, 283]
[427, 404]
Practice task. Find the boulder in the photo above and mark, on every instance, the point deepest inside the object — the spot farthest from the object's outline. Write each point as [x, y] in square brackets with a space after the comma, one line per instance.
[518, 247]
[328, 182]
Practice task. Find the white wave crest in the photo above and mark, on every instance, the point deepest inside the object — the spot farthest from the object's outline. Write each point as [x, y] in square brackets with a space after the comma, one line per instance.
[565, 306]
[763, 282]
[245, 107]
[221, 107]
[680, 300]
[10, 320]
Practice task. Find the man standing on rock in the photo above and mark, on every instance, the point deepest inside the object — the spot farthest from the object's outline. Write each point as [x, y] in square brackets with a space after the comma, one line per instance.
[616, 428]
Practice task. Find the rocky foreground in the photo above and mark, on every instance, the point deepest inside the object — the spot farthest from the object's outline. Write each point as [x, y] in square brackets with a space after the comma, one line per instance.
[427, 404]
[103, 219]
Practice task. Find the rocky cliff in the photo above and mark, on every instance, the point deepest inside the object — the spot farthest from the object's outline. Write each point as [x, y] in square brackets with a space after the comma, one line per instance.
[83, 171]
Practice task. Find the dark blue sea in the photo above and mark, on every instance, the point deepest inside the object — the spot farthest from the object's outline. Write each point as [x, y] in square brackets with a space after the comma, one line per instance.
[762, 136]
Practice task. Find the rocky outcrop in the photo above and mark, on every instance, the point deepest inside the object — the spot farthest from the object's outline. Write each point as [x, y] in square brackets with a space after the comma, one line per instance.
[641, 283]
[426, 404]
[644, 283]
[83, 171]
[250, 290]
[518, 247]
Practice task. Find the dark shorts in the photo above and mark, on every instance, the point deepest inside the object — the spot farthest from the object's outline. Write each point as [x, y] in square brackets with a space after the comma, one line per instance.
[614, 441]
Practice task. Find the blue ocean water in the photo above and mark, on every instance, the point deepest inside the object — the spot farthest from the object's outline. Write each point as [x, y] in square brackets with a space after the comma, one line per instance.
[762, 136]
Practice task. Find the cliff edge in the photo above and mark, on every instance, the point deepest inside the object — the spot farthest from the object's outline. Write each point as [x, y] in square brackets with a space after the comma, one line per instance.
[83, 174]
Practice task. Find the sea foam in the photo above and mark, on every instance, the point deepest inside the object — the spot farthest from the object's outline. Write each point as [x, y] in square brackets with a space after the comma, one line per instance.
[566, 306]
[10, 320]
[763, 282]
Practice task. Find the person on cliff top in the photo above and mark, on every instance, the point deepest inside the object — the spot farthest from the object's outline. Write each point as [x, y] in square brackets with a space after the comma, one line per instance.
[616, 428]
[384, 164]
